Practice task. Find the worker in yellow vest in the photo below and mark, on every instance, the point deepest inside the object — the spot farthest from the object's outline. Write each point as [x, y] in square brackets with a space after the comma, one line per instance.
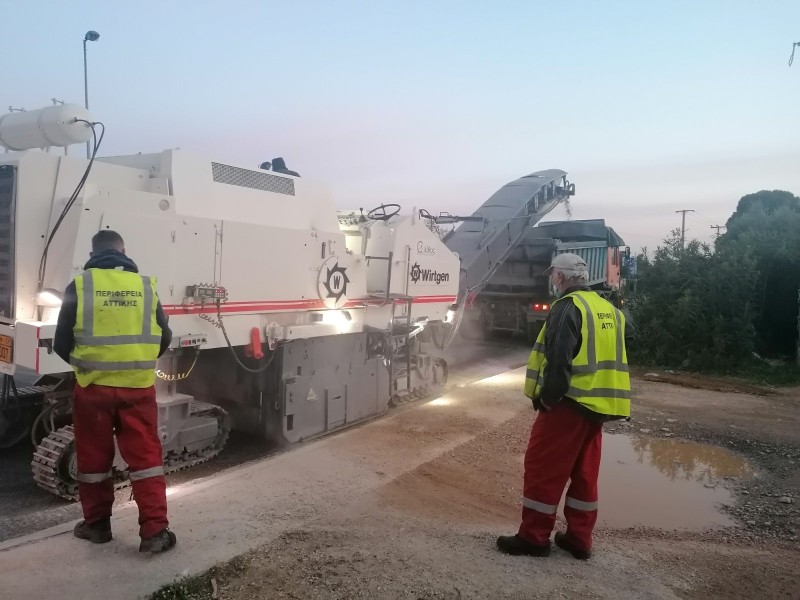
[577, 378]
[111, 329]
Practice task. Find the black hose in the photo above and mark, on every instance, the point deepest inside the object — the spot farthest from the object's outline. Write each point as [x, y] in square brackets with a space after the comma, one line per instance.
[72, 198]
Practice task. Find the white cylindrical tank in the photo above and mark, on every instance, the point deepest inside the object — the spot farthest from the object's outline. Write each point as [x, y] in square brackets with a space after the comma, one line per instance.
[50, 126]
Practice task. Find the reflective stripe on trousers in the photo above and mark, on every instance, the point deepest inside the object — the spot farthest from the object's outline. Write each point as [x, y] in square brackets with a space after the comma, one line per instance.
[145, 473]
[580, 504]
[94, 477]
[547, 509]
[550, 509]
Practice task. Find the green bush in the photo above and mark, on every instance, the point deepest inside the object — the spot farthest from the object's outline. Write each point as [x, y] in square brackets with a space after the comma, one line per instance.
[718, 309]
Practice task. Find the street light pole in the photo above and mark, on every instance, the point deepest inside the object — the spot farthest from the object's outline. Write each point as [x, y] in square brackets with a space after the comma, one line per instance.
[91, 36]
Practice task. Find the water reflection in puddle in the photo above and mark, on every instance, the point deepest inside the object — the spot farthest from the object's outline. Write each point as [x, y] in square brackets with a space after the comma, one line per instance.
[665, 483]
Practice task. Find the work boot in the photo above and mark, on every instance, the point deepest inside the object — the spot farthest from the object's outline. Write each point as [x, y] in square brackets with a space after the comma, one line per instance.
[98, 532]
[160, 542]
[563, 542]
[516, 546]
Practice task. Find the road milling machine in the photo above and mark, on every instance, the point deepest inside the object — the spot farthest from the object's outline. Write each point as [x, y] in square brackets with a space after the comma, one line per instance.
[290, 319]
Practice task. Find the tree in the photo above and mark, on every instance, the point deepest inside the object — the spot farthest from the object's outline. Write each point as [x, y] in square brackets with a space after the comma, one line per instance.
[766, 227]
[690, 309]
[714, 308]
[764, 201]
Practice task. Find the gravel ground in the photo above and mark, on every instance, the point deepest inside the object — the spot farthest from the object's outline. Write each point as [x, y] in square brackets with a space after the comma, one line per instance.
[429, 533]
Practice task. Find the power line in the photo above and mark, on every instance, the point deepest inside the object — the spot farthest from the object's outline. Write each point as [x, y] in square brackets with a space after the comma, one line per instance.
[704, 216]
[683, 224]
[718, 227]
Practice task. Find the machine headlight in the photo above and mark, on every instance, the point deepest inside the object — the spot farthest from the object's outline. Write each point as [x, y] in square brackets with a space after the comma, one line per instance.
[49, 298]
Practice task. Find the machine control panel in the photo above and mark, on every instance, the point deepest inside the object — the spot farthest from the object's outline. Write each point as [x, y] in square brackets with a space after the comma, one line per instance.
[206, 293]
[192, 340]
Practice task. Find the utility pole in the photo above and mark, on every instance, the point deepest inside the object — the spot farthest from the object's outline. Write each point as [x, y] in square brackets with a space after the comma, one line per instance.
[683, 224]
[718, 227]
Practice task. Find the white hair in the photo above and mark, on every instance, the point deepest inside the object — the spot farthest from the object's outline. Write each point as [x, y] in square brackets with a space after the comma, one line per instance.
[575, 276]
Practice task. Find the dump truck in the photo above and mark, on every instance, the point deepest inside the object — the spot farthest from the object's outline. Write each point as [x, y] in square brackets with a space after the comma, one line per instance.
[518, 296]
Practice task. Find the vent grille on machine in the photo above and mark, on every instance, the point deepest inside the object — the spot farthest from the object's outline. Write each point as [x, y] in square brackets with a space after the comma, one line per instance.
[252, 179]
[7, 176]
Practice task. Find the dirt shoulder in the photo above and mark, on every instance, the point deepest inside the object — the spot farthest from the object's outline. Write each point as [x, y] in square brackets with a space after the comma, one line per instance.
[429, 532]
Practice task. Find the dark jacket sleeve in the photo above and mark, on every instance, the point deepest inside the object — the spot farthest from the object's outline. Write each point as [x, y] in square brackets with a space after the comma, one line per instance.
[64, 339]
[561, 345]
[166, 332]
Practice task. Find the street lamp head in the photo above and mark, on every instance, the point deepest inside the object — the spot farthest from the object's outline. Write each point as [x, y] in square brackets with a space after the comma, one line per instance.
[91, 36]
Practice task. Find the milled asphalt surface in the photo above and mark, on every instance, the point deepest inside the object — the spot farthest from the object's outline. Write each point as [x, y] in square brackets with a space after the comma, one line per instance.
[224, 515]
[26, 508]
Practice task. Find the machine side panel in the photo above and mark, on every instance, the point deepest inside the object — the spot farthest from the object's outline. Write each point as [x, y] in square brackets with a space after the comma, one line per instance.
[149, 242]
[422, 266]
[36, 179]
[329, 382]
[272, 264]
[433, 270]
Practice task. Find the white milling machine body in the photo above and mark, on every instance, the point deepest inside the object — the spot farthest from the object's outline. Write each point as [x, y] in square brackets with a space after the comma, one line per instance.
[329, 316]
[260, 249]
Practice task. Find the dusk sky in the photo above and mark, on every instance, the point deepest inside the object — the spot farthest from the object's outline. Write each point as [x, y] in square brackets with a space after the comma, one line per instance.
[650, 107]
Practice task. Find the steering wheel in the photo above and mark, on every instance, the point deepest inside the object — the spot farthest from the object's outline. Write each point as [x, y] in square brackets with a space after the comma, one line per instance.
[379, 213]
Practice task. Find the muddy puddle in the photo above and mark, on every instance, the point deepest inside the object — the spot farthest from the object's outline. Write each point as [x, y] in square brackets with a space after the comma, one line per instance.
[665, 483]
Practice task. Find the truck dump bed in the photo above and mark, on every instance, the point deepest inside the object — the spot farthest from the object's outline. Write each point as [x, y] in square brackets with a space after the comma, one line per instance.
[589, 239]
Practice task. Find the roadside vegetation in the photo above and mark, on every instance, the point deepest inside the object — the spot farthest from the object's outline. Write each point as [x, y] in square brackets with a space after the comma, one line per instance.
[729, 309]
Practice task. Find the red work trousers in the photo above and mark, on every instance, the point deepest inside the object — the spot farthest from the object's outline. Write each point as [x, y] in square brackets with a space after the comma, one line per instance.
[99, 412]
[564, 446]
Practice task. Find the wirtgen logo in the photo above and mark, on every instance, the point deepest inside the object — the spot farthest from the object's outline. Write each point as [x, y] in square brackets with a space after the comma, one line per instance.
[428, 275]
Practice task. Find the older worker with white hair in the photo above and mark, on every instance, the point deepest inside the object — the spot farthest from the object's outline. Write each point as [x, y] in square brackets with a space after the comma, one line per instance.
[577, 378]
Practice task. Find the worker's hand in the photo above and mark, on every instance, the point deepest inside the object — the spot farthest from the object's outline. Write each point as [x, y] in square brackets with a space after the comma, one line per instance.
[539, 405]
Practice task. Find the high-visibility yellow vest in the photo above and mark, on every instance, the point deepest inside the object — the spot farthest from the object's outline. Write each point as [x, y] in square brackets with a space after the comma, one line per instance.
[117, 338]
[600, 379]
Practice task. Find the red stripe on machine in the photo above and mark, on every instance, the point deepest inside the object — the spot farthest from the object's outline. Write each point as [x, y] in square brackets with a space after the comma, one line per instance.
[282, 305]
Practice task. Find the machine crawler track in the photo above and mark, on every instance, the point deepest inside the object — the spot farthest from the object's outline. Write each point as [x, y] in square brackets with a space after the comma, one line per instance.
[55, 467]
[18, 411]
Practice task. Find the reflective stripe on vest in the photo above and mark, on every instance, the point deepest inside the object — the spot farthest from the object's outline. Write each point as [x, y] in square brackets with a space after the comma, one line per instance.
[536, 365]
[602, 384]
[94, 477]
[146, 473]
[96, 365]
[117, 337]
